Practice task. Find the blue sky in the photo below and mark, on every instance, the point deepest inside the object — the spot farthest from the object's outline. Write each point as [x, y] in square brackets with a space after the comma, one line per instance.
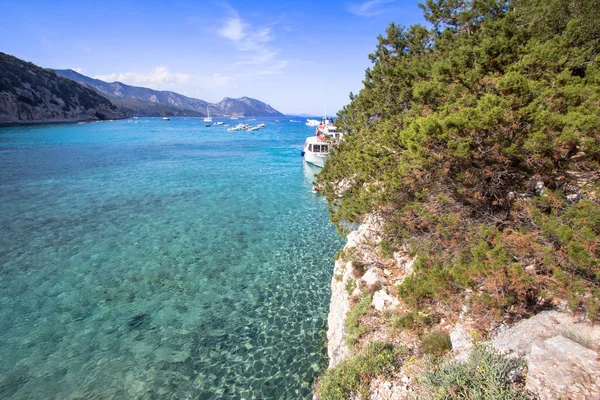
[298, 56]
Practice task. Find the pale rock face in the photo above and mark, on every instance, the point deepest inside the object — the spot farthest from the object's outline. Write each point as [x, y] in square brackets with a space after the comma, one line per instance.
[361, 240]
[382, 300]
[373, 276]
[559, 368]
[338, 308]
[561, 353]
[462, 344]
[517, 340]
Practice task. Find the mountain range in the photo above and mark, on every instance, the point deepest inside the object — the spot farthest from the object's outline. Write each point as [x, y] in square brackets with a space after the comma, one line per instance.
[144, 100]
[31, 94]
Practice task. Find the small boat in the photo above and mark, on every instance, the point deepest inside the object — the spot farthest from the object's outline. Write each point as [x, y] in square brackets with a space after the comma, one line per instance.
[208, 125]
[239, 127]
[166, 119]
[312, 122]
[208, 118]
[219, 123]
[233, 117]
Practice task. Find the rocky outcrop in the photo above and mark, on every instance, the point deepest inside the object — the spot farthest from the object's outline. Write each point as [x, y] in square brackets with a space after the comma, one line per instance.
[338, 308]
[559, 348]
[559, 368]
[30, 94]
[361, 265]
[561, 352]
[359, 245]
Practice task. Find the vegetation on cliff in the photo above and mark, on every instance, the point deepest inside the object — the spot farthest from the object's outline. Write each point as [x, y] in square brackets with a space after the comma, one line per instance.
[478, 139]
[29, 93]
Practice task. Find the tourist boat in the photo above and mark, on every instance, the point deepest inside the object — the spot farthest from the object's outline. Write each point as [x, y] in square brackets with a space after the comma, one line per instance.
[208, 118]
[326, 127]
[316, 150]
[312, 122]
[166, 119]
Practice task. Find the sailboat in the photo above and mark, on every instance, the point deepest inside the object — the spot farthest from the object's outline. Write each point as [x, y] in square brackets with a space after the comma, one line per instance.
[208, 118]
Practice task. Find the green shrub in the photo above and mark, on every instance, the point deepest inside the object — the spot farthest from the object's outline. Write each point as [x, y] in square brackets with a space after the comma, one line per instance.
[487, 375]
[354, 328]
[436, 343]
[353, 376]
[414, 320]
[350, 286]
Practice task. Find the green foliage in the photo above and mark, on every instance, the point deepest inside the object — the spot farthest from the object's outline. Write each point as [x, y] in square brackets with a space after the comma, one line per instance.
[354, 328]
[350, 286]
[487, 375]
[414, 320]
[436, 343]
[451, 132]
[353, 376]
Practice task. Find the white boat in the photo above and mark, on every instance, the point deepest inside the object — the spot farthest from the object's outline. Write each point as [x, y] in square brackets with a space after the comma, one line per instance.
[208, 118]
[316, 148]
[316, 151]
[233, 117]
[312, 122]
[326, 127]
[219, 123]
[166, 119]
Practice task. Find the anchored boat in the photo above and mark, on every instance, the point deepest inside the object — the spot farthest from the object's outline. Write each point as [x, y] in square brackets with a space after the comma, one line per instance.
[317, 147]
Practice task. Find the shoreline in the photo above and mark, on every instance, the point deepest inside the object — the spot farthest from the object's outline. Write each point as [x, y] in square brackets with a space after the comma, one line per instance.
[56, 122]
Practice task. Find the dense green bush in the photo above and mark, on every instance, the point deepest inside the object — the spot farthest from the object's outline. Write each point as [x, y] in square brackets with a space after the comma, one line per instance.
[436, 343]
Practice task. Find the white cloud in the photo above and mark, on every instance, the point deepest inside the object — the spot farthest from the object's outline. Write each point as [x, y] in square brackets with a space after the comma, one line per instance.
[159, 77]
[370, 8]
[206, 87]
[233, 29]
[253, 46]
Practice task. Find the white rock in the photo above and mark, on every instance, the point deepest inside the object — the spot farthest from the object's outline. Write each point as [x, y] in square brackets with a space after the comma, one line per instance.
[462, 343]
[518, 339]
[561, 368]
[382, 300]
[373, 276]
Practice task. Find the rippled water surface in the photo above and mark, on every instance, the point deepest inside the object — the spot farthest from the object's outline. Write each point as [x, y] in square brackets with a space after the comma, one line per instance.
[154, 259]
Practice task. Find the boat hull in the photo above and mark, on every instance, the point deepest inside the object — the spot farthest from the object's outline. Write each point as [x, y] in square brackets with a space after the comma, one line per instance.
[315, 159]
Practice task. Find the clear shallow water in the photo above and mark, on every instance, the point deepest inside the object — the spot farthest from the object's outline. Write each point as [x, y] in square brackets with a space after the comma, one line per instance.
[160, 260]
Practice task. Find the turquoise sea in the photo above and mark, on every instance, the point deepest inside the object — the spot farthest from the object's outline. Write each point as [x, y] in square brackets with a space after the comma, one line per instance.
[161, 260]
